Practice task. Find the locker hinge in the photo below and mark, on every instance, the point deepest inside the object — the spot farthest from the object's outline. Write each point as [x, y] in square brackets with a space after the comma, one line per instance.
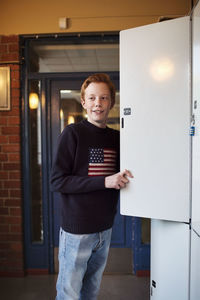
[190, 223]
[192, 127]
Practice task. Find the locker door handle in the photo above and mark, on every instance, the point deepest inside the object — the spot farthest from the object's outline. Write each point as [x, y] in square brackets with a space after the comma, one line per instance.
[122, 122]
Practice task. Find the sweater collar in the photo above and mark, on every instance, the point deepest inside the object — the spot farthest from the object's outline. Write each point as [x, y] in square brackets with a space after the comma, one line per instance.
[94, 127]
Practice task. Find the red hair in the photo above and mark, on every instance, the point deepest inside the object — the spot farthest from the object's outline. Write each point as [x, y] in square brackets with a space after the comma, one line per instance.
[98, 78]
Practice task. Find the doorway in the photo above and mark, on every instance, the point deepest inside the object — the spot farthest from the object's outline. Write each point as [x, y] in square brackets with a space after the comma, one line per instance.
[54, 70]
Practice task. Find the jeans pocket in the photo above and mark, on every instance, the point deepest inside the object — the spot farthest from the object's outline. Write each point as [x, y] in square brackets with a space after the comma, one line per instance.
[62, 243]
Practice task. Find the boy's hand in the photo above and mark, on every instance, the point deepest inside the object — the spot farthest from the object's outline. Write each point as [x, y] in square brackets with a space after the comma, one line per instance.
[118, 180]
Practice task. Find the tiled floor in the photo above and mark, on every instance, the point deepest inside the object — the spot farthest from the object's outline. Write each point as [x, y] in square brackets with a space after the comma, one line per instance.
[113, 287]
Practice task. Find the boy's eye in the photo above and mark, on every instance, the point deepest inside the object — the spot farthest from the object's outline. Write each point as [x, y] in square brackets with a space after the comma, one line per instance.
[104, 97]
[91, 98]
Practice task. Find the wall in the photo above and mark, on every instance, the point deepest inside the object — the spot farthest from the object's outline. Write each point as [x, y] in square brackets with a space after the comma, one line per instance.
[34, 17]
[11, 232]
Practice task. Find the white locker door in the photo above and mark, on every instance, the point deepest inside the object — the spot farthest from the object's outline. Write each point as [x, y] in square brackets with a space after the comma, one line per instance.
[155, 119]
[196, 112]
[170, 256]
[195, 267]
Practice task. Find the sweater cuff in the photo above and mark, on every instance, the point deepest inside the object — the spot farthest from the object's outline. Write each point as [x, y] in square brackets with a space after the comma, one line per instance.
[100, 182]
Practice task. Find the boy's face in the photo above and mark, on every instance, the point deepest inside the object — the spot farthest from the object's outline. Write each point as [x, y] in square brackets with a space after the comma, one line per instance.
[97, 102]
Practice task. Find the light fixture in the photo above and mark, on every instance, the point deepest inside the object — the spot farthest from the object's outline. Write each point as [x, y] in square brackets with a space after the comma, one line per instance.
[33, 100]
[70, 120]
[61, 114]
[66, 91]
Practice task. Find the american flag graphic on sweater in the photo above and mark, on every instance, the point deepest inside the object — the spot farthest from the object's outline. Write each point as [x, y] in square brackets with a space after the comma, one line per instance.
[102, 162]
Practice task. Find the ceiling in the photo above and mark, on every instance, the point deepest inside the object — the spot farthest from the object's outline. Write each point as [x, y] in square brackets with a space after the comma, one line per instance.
[77, 58]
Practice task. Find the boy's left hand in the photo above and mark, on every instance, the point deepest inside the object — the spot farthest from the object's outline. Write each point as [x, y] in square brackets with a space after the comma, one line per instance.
[118, 180]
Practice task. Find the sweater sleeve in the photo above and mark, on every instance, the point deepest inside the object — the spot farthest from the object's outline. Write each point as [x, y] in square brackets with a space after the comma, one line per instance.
[62, 178]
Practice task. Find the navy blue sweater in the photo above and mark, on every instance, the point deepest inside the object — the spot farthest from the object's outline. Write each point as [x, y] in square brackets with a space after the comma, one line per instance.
[85, 155]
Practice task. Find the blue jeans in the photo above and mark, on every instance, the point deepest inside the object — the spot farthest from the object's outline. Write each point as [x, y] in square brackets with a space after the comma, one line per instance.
[82, 259]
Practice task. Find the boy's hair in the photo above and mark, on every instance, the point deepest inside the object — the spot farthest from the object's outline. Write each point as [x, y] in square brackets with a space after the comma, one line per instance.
[98, 78]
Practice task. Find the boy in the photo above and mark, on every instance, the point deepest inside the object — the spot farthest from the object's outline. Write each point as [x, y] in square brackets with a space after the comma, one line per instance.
[85, 172]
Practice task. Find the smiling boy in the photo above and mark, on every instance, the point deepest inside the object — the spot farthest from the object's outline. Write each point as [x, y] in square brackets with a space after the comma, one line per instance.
[86, 173]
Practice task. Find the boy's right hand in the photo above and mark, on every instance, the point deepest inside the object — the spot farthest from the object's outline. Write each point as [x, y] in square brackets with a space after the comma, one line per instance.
[118, 180]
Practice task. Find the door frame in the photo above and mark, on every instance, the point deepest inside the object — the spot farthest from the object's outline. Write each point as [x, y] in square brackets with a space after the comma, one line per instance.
[39, 256]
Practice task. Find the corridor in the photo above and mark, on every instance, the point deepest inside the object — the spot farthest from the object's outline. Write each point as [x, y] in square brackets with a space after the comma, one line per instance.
[113, 287]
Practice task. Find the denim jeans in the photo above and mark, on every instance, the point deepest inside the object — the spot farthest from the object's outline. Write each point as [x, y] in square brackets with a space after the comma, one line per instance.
[82, 259]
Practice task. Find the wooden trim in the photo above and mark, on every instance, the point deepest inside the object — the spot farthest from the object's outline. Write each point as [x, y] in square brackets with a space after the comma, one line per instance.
[37, 271]
[143, 273]
[12, 274]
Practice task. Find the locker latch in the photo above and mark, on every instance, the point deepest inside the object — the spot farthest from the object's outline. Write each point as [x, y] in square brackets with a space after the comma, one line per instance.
[153, 285]
[122, 122]
[192, 127]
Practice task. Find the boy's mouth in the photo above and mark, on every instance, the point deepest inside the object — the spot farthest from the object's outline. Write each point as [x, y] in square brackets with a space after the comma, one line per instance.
[98, 111]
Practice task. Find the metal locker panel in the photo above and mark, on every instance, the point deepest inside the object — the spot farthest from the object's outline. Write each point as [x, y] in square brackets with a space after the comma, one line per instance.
[196, 113]
[195, 267]
[170, 257]
[155, 105]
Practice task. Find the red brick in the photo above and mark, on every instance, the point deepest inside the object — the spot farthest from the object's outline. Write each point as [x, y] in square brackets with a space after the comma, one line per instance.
[3, 120]
[3, 193]
[13, 112]
[3, 211]
[13, 47]
[15, 102]
[10, 130]
[15, 193]
[16, 228]
[14, 67]
[15, 211]
[15, 93]
[11, 166]
[10, 237]
[10, 220]
[4, 246]
[15, 84]
[12, 184]
[4, 228]
[12, 202]
[3, 48]
[11, 148]
[9, 263]
[14, 157]
[3, 157]
[14, 175]
[11, 256]
[13, 56]
[2, 202]
[3, 139]
[15, 75]
[16, 247]
[14, 121]
[9, 38]
[3, 175]
[13, 139]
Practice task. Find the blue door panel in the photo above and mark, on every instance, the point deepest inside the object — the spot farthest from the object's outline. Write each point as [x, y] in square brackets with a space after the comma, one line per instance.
[121, 233]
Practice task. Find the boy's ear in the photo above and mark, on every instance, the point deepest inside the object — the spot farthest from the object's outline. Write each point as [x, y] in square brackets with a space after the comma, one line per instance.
[83, 102]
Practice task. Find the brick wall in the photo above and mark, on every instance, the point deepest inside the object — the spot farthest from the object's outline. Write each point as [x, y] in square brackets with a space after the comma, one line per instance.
[11, 230]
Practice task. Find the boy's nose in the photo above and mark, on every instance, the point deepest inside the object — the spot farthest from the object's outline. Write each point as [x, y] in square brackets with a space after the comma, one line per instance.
[97, 101]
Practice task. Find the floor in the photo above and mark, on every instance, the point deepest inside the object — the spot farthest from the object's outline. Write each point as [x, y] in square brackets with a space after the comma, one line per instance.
[113, 287]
